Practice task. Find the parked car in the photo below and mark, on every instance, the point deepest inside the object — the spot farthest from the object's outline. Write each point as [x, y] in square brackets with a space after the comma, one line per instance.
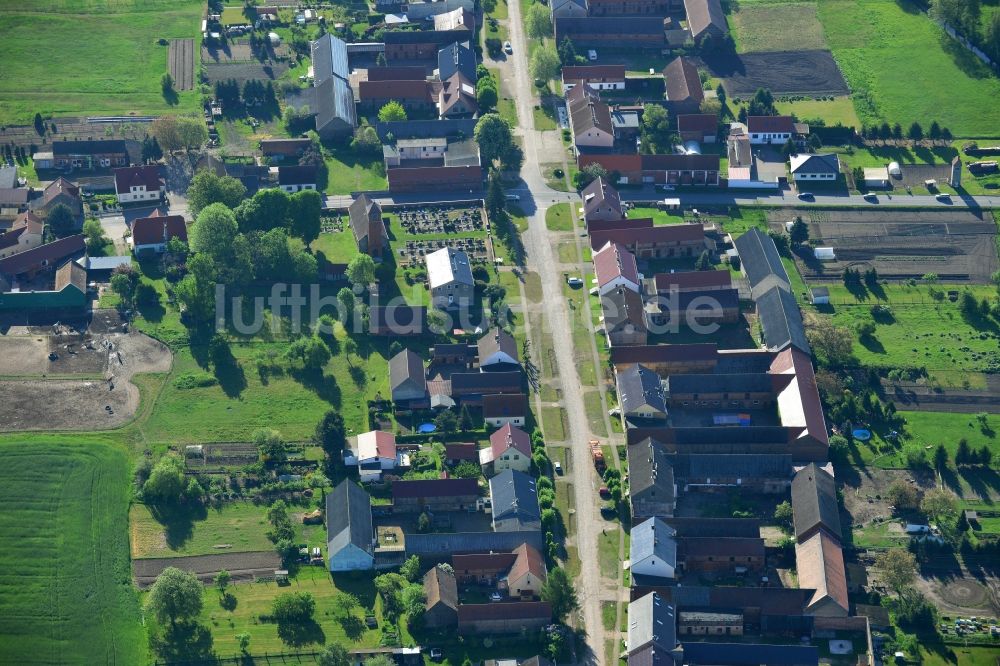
[574, 281]
[507, 48]
[806, 196]
[495, 596]
[944, 197]
[591, 54]
[871, 197]
[604, 492]
[557, 466]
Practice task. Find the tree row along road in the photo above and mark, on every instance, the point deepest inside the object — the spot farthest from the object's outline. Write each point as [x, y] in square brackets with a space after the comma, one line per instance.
[540, 259]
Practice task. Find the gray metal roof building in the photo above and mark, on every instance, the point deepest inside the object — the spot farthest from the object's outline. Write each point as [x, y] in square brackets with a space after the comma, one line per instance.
[653, 538]
[349, 519]
[651, 620]
[457, 57]
[638, 386]
[515, 502]
[332, 100]
[814, 502]
[759, 259]
[781, 320]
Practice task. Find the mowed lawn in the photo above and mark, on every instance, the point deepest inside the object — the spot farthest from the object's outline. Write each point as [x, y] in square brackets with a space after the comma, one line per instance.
[90, 58]
[902, 68]
[831, 111]
[64, 566]
[754, 24]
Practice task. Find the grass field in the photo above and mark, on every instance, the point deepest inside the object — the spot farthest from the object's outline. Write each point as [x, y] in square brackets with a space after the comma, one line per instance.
[933, 428]
[347, 173]
[883, 48]
[660, 217]
[64, 555]
[173, 533]
[921, 332]
[337, 247]
[559, 218]
[754, 24]
[839, 110]
[289, 401]
[105, 58]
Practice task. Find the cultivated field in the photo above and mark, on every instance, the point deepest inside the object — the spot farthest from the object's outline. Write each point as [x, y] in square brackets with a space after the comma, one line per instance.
[753, 27]
[64, 565]
[242, 566]
[955, 245]
[105, 56]
[902, 68]
[181, 59]
[784, 73]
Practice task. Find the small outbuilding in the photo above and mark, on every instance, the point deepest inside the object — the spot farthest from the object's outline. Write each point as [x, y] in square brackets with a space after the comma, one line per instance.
[819, 295]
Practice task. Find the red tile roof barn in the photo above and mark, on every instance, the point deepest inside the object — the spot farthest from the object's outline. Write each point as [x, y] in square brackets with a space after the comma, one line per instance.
[703, 351]
[511, 405]
[399, 90]
[51, 253]
[402, 73]
[698, 122]
[692, 279]
[683, 82]
[626, 223]
[673, 233]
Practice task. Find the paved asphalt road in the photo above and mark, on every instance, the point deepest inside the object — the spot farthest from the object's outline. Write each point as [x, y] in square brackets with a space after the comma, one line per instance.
[546, 197]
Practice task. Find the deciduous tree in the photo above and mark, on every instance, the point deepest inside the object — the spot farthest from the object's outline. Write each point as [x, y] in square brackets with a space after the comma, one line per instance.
[392, 111]
[207, 188]
[176, 595]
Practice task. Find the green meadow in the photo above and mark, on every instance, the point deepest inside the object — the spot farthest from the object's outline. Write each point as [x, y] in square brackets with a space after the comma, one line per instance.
[90, 58]
[902, 68]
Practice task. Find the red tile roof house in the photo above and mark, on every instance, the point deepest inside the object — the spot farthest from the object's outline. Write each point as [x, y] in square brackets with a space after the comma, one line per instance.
[615, 267]
[25, 234]
[434, 495]
[675, 240]
[59, 191]
[526, 577]
[373, 452]
[510, 448]
[151, 234]
[501, 410]
[140, 184]
[770, 129]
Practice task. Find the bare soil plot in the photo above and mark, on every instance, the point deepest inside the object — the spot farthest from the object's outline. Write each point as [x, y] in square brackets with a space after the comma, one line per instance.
[180, 59]
[29, 356]
[246, 71]
[957, 245]
[783, 72]
[242, 566]
[67, 404]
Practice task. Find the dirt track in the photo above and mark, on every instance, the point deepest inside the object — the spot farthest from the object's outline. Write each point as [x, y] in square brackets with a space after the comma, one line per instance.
[181, 60]
[783, 72]
[69, 404]
[242, 566]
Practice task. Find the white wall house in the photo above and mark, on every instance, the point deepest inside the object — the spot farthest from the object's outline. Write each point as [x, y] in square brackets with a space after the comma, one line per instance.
[653, 550]
[139, 184]
[810, 168]
[770, 129]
